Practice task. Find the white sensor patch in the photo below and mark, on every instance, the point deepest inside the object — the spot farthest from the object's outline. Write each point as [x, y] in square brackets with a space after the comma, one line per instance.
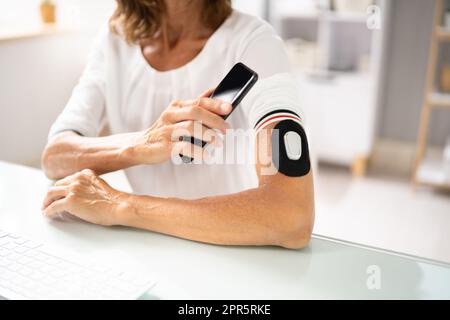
[293, 145]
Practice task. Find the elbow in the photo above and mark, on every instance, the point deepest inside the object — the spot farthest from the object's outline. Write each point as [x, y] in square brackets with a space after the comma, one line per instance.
[295, 229]
[298, 239]
[52, 162]
[47, 164]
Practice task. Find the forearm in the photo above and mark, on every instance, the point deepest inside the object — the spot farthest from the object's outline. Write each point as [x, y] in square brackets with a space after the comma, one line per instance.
[260, 216]
[69, 153]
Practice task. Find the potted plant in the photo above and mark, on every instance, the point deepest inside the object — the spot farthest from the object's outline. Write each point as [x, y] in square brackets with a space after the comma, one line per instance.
[48, 11]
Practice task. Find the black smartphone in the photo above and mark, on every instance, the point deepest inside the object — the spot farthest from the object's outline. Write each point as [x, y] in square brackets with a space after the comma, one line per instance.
[235, 86]
[232, 89]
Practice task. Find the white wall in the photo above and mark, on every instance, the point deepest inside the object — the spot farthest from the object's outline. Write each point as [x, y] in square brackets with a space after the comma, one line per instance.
[37, 76]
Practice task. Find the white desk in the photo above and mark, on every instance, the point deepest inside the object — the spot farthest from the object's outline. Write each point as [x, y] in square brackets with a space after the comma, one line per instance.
[186, 269]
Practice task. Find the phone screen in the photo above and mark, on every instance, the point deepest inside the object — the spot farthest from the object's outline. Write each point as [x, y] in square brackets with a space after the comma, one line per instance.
[235, 85]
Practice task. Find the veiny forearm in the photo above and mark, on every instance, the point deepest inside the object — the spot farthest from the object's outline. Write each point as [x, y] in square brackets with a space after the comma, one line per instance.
[263, 216]
[69, 153]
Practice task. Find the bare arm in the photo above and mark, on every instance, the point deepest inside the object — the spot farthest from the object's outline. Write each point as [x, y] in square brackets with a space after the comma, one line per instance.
[279, 212]
[69, 152]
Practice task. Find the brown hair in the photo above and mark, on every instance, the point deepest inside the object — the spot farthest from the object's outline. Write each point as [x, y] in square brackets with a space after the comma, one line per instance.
[141, 19]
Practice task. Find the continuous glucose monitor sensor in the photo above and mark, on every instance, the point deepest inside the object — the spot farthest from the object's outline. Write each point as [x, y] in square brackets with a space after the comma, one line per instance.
[293, 145]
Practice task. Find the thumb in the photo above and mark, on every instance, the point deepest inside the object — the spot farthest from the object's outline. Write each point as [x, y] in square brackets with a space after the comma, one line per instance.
[207, 93]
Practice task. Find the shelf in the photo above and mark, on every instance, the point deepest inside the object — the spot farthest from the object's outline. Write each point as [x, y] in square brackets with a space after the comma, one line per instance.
[335, 80]
[439, 100]
[432, 173]
[443, 34]
[347, 17]
[23, 32]
[330, 16]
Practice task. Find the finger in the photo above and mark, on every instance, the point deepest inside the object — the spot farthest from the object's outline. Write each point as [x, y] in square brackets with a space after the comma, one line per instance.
[207, 93]
[207, 118]
[55, 208]
[65, 181]
[85, 173]
[88, 172]
[54, 194]
[197, 130]
[213, 105]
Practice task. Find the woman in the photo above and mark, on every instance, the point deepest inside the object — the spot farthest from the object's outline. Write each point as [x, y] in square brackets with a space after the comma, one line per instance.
[144, 80]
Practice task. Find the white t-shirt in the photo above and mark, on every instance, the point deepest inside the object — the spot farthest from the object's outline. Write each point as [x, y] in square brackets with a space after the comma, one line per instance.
[120, 88]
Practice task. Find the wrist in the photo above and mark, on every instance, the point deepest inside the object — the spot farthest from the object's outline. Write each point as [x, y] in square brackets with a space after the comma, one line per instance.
[123, 210]
[139, 151]
[130, 152]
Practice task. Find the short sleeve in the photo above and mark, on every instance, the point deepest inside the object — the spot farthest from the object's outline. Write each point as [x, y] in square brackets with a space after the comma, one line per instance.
[273, 99]
[85, 111]
[275, 95]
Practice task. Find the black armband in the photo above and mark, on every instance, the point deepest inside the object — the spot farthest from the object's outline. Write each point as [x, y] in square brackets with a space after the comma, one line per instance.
[290, 151]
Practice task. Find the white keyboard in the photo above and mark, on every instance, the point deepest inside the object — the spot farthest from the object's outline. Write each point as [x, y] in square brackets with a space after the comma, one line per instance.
[31, 270]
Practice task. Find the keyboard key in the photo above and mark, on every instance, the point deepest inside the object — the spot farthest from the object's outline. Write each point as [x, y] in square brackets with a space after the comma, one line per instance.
[4, 273]
[20, 240]
[53, 260]
[32, 244]
[13, 267]
[25, 271]
[57, 274]
[35, 275]
[21, 249]
[31, 253]
[24, 259]
[35, 264]
[42, 256]
[4, 252]
[5, 263]
[10, 245]
[47, 269]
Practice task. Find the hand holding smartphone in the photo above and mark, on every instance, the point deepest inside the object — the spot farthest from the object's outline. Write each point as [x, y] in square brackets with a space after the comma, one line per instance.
[232, 89]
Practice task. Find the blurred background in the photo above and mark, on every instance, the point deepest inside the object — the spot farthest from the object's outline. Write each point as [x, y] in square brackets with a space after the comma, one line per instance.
[373, 76]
